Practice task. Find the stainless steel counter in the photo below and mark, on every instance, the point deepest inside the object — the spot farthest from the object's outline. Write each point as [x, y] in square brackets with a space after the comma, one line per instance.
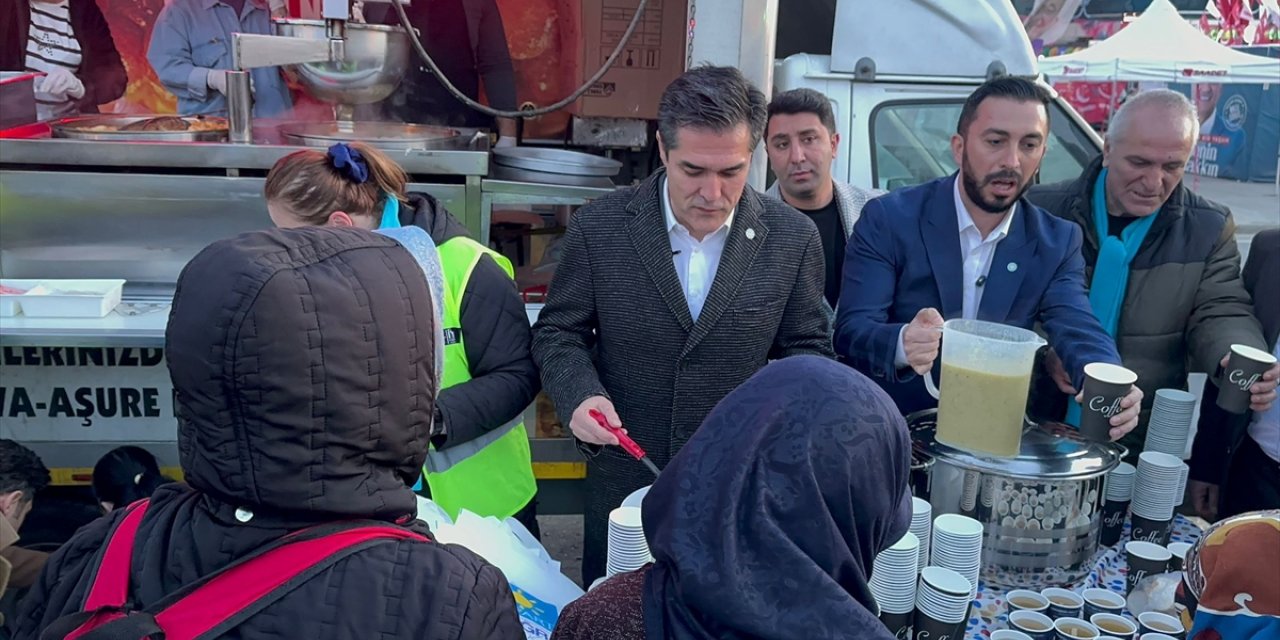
[90, 153]
[140, 211]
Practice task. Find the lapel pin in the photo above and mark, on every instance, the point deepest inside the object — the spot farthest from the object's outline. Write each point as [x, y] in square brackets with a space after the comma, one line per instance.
[1013, 266]
[751, 234]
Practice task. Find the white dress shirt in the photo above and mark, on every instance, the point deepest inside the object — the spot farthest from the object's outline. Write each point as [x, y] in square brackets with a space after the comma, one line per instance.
[1265, 428]
[696, 261]
[976, 254]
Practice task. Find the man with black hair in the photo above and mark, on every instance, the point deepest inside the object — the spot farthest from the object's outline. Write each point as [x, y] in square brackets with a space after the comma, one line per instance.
[969, 246]
[672, 293]
[22, 474]
[802, 143]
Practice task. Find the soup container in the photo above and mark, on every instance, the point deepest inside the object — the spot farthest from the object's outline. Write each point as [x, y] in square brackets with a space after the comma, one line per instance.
[1041, 510]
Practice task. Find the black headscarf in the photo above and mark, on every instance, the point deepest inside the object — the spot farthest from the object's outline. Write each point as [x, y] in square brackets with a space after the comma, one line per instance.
[767, 522]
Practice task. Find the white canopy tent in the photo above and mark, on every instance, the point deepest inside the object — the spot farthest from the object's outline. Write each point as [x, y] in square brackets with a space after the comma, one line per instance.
[1161, 46]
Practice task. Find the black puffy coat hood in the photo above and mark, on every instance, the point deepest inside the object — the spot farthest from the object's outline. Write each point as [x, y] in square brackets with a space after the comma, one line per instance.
[302, 363]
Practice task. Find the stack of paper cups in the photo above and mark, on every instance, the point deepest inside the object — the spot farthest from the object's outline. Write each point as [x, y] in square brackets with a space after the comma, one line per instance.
[1155, 495]
[1170, 424]
[957, 545]
[893, 576]
[922, 526]
[628, 549]
[1119, 483]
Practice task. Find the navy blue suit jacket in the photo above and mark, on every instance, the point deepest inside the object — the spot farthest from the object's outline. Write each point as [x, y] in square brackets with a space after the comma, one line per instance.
[904, 256]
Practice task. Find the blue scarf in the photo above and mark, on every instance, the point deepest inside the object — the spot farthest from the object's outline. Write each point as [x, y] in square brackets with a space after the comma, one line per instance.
[1111, 274]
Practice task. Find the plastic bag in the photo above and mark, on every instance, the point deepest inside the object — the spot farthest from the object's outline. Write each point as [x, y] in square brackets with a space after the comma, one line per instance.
[540, 590]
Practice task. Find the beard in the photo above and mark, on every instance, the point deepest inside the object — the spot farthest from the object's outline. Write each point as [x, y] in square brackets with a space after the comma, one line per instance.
[973, 188]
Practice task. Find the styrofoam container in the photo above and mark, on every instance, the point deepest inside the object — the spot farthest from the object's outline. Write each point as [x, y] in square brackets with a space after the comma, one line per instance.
[71, 298]
[9, 305]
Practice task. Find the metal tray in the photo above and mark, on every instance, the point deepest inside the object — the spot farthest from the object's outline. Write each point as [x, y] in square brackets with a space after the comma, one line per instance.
[78, 128]
[556, 161]
[500, 172]
[382, 135]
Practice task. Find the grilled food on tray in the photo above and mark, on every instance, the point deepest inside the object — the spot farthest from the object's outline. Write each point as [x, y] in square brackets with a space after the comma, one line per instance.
[163, 123]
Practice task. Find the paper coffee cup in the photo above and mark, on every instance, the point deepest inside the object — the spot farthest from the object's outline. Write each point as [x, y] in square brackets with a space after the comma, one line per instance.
[1144, 559]
[1009, 634]
[1147, 530]
[1155, 622]
[1179, 551]
[927, 627]
[898, 624]
[1026, 600]
[1114, 513]
[1036, 625]
[1105, 385]
[1245, 366]
[1114, 625]
[1098, 601]
[1075, 629]
[1063, 603]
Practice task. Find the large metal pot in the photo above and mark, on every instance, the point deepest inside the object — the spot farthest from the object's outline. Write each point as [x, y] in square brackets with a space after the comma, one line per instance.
[377, 57]
[1041, 509]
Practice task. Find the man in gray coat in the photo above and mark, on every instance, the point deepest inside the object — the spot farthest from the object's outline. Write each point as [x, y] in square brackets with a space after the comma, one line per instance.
[672, 293]
[802, 143]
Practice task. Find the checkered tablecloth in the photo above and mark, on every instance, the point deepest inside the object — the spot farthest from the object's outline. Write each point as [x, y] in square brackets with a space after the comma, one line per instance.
[991, 614]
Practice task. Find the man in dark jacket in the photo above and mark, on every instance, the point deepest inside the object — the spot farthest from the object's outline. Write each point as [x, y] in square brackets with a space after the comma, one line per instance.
[1162, 262]
[672, 293]
[1241, 453]
[297, 407]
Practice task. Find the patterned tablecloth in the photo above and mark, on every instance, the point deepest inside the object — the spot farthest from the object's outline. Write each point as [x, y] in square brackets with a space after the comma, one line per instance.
[991, 614]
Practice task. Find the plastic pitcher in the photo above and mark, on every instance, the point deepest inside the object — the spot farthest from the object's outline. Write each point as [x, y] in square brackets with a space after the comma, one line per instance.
[986, 375]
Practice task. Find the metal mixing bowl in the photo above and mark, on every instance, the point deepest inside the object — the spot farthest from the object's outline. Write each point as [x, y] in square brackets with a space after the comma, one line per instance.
[377, 57]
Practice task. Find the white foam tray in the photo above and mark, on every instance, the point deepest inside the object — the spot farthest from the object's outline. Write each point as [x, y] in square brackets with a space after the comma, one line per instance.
[61, 298]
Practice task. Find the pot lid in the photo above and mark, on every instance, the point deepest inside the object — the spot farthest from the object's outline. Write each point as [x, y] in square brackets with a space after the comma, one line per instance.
[1050, 451]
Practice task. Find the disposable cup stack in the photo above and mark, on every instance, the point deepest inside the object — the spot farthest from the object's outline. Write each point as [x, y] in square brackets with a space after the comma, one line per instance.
[893, 576]
[1155, 490]
[1119, 483]
[628, 549]
[1170, 425]
[922, 526]
[957, 545]
[942, 606]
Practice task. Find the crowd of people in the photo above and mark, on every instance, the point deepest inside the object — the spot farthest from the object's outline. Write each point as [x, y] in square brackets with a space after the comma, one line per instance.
[365, 346]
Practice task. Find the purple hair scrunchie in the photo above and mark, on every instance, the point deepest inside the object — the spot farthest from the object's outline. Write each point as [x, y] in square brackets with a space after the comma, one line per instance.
[349, 163]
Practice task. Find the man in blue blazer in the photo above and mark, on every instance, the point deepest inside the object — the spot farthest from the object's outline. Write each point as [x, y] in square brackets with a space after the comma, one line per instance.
[969, 246]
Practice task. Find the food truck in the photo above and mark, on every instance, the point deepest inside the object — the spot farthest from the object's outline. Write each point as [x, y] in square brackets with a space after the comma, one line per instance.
[104, 210]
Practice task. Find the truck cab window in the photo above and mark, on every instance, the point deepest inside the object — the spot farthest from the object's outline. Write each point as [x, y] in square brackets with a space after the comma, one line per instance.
[911, 143]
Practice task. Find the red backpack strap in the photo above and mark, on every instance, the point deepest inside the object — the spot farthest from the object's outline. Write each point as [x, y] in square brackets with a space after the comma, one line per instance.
[110, 588]
[111, 581]
[238, 592]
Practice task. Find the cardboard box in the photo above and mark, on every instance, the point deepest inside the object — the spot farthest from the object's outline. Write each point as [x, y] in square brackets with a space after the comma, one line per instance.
[653, 57]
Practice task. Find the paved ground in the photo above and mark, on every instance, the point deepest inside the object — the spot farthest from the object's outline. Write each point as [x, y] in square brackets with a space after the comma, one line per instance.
[1255, 207]
[562, 537]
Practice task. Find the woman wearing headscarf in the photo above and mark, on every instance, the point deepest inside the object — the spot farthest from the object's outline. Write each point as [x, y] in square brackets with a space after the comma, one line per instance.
[767, 522]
